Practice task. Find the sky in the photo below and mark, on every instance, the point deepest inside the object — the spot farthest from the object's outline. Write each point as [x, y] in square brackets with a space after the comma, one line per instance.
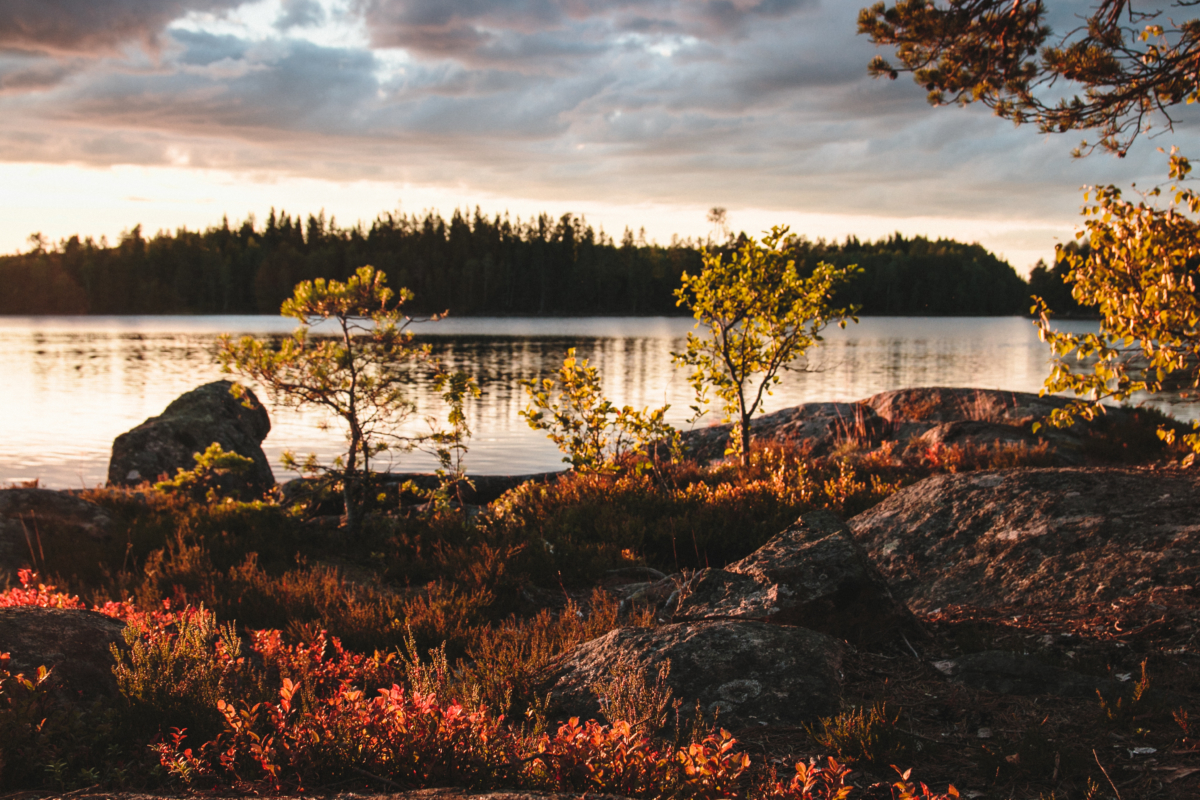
[633, 113]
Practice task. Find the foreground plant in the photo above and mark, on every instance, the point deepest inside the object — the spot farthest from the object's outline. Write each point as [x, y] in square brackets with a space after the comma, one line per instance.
[594, 433]
[213, 474]
[759, 317]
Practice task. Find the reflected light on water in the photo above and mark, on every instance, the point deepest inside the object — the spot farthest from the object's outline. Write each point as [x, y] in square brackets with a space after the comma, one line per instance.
[74, 384]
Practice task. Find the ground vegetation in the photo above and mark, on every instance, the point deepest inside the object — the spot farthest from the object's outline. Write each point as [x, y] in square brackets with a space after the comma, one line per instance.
[263, 644]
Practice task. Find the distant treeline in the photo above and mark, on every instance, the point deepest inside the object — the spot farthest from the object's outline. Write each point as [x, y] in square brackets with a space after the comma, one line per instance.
[469, 265]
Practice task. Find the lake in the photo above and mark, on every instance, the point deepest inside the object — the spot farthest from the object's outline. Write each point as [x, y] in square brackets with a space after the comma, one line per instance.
[72, 384]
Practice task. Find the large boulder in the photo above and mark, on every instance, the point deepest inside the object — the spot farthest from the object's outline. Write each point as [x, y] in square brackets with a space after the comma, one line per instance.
[1035, 537]
[813, 574]
[164, 444]
[944, 404]
[74, 643]
[751, 673]
[818, 426]
[36, 523]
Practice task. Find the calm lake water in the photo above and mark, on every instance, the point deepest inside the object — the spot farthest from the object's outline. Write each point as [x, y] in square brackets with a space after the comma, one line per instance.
[72, 384]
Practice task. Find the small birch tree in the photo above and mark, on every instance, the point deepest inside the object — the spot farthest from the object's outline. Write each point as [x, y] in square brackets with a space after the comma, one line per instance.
[1142, 272]
[758, 318]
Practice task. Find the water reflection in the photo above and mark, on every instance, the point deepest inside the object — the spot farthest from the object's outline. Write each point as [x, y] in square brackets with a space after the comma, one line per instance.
[73, 384]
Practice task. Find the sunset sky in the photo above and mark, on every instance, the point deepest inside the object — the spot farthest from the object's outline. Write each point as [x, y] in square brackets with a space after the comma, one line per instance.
[639, 113]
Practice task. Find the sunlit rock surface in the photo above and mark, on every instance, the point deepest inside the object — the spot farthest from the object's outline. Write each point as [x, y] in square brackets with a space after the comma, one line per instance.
[1035, 537]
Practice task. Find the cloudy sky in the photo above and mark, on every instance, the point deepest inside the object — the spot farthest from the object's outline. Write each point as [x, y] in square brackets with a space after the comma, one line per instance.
[633, 112]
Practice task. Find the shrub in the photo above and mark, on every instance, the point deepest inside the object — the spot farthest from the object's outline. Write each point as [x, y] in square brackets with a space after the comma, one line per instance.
[177, 667]
[759, 317]
[862, 735]
[595, 435]
[356, 376]
[215, 474]
[40, 595]
[681, 516]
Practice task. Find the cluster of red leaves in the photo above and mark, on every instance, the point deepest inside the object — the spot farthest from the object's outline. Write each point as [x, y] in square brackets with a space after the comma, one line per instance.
[31, 593]
[335, 715]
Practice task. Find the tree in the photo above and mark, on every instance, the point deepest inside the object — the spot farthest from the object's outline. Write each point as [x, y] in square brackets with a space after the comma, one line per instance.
[1134, 62]
[1130, 61]
[358, 375]
[1142, 271]
[759, 317]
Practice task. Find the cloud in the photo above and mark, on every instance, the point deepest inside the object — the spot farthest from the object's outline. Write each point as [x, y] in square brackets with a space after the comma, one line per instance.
[489, 30]
[27, 72]
[744, 103]
[300, 14]
[226, 84]
[92, 26]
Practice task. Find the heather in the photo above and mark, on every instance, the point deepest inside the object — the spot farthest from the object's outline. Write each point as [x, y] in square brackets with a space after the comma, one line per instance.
[202, 707]
[269, 649]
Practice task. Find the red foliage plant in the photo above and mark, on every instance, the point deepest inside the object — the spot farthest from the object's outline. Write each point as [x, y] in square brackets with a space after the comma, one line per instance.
[289, 718]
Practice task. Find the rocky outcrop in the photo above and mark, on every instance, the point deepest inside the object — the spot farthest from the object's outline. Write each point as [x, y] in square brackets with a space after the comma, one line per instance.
[820, 426]
[813, 575]
[935, 417]
[1035, 537]
[75, 644]
[934, 404]
[975, 433]
[751, 673]
[34, 522]
[164, 444]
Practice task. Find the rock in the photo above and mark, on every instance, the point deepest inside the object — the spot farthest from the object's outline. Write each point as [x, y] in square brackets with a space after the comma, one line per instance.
[161, 445]
[942, 404]
[35, 523]
[1014, 673]
[1048, 537]
[752, 673]
[813, 575]
[659, 597]
[73, 642]
[973, 432]
[821, 426]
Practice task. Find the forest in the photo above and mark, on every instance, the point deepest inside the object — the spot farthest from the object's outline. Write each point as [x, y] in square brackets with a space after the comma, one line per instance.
[469, 265]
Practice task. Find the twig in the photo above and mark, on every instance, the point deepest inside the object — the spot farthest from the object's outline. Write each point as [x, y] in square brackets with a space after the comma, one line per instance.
[911, 649]
[921, 736]
[520, 762]
[28, 541]
[1103, 770]
[375, 777]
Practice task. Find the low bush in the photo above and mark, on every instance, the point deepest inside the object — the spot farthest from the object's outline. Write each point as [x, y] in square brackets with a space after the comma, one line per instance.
[867, 735]
[676, 516]
[260, 715]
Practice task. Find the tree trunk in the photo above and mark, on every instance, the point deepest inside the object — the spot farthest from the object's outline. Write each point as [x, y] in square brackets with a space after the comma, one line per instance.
[350, 502]
[744, 433]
